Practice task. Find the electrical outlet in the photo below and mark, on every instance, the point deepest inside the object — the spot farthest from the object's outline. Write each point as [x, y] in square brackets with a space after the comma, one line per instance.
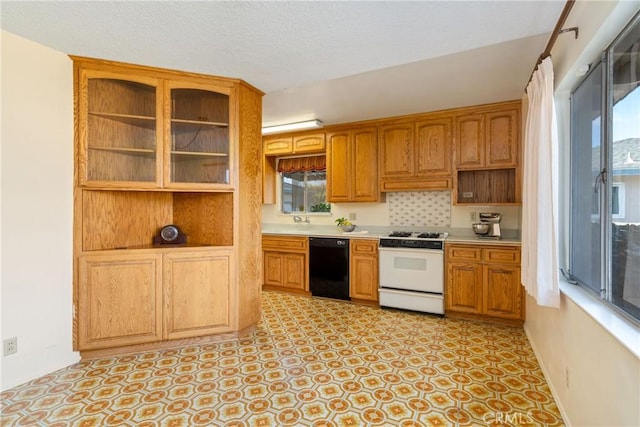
[352, 216]
[10, 346]
[473, 216]
[566, 376]
[467, 194]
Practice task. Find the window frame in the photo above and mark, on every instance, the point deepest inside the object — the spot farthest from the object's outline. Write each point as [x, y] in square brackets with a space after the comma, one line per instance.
[280, 194]
[605, 207]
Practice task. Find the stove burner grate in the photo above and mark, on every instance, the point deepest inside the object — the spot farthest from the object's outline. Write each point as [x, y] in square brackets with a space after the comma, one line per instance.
[429, 235]
[400, 234]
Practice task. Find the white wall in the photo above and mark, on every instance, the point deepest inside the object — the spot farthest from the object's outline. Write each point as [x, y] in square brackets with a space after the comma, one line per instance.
[37, 214]
[596, 379]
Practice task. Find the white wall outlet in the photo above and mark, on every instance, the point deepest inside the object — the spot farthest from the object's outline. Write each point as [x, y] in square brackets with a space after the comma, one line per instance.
[467, 194]
[10, 346]
[352, 216]
[473, 216]
[566, 376]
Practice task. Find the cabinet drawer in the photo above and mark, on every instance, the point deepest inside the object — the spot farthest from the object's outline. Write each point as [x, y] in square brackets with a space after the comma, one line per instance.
[309, 143]
[463, 253]
[364, 247]
[501, 255]
[282, 145]
[294, 244]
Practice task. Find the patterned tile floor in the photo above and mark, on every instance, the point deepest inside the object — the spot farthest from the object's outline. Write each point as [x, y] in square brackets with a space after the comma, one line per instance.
[311, 362]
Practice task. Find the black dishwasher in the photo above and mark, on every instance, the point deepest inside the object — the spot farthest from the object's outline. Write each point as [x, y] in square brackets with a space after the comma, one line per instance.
[329, 267]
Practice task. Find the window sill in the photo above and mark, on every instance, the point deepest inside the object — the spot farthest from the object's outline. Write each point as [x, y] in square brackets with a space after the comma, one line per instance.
[622, 329]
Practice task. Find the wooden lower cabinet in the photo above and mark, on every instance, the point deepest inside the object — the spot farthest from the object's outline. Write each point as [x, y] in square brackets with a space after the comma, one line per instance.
[363, 275]
[484, 282]
[286, 265]
[120, 300]
[502, 291]
[285, 270]
[464, 287]
[197, 293]
[128, 298]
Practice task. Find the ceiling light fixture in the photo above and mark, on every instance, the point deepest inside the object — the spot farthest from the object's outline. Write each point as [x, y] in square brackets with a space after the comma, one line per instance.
[309, 124]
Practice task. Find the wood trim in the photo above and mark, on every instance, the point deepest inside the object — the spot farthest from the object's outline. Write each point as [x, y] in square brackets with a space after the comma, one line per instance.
[163, 345]
[103, 64]
[417, 184]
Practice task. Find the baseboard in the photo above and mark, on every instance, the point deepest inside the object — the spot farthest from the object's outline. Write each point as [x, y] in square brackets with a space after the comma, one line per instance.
[563, 413]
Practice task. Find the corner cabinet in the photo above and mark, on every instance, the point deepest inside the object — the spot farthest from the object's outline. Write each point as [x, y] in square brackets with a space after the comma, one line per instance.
[155, 147]
[483, 282]
[142, 132]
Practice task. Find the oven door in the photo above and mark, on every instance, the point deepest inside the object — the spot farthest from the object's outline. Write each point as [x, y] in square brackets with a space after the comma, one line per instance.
[420, 270]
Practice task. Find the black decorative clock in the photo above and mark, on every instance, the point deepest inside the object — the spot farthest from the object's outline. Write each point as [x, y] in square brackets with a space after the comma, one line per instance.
[170, 235]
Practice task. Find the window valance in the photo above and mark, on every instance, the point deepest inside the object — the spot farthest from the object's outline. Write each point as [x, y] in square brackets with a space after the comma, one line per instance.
[302, 164]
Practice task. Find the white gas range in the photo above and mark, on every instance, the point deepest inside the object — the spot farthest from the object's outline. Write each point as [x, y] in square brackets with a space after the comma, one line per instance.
[412, 271]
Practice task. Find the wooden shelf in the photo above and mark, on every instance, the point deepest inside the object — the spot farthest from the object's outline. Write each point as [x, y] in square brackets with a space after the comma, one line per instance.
[198, 154]
[199, 122]
[144, 152]
[146, 121]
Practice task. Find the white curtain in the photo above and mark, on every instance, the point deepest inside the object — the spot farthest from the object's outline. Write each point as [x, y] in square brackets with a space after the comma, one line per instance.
[540, 191]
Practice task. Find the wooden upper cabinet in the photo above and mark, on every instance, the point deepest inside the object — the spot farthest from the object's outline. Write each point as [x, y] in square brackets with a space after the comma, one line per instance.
[433, 146]
[352, 156]
[396, 151]
[120, 130]
[142, 132]
[312, 143]
[364, 161]
[470, 141]
[197, 152]
[338, 167]
[416, 155]
[501, 148]
[278, 145]
[488, 139]
[282, 145]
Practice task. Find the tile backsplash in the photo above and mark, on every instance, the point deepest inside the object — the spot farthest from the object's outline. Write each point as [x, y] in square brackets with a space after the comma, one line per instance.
[420, 209]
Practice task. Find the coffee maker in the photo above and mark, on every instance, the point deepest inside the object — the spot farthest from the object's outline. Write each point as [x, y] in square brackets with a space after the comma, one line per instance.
[489, 226]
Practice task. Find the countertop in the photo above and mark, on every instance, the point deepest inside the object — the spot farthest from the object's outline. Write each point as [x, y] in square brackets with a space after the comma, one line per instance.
[456, 235]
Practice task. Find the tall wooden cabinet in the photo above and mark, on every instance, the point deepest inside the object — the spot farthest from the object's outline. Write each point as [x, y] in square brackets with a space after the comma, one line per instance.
[157, 147]
[484, 282]
[351, 158]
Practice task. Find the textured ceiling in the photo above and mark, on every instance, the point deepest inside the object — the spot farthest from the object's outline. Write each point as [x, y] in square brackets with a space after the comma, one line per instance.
[323, 54]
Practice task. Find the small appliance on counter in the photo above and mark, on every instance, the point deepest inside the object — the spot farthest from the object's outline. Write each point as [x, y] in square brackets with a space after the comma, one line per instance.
[489, 226]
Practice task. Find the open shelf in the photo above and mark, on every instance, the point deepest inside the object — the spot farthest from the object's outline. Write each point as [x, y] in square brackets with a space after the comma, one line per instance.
[117, 220]
[488, 187]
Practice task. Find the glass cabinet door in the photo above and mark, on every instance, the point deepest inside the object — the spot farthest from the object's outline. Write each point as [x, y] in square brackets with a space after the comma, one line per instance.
[199, 136]
[119, 128]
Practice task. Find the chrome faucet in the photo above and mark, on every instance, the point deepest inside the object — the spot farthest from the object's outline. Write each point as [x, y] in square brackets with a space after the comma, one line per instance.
[297, 219]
